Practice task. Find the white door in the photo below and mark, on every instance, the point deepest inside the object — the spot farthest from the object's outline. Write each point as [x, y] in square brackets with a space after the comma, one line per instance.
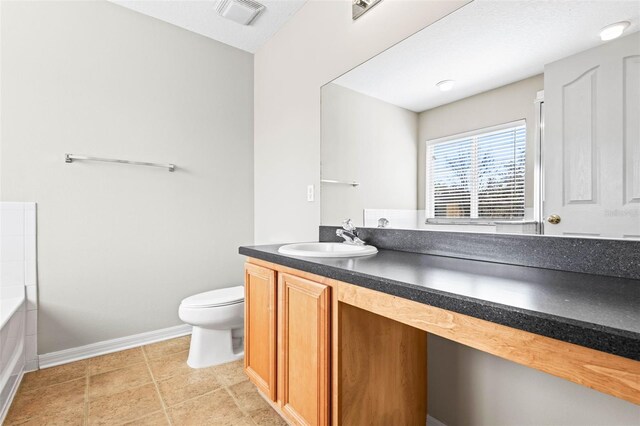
[591, 144]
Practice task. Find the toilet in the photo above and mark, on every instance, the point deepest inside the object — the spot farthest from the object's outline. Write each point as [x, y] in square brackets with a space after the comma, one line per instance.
[217, 318]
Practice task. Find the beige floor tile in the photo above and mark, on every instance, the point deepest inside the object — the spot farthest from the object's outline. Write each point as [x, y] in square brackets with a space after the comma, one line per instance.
[247, 397]
[168, 347]
[104, 363]
[267, 417]
[64, 399]
[64, 419]
[216, 408]
[170, 365]
[124, 406]
[244, 421]
[121, 390]
[231, 373]
[116, 381]
[156, 419]
[186, 386]
[53, 375]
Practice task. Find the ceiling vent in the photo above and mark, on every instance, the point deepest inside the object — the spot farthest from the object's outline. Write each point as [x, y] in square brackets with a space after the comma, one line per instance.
[243, 12]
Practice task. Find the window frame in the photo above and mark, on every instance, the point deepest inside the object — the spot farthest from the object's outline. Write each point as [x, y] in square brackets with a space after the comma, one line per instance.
[429, 203]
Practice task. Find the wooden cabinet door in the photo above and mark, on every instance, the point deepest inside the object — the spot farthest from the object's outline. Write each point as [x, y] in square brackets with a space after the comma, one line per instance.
[260, 328]
[303, 362]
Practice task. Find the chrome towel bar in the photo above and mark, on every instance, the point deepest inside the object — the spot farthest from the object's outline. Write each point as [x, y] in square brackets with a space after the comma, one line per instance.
[69, 158]
[340, 182]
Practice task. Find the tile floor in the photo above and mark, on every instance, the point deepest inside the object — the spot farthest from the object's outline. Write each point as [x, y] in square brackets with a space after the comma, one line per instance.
[151, 385]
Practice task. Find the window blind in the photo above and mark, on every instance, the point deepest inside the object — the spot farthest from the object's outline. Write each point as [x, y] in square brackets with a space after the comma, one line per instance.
[478, 175]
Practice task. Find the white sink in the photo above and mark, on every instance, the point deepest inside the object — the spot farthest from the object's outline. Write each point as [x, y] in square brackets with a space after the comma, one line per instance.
[327, 250]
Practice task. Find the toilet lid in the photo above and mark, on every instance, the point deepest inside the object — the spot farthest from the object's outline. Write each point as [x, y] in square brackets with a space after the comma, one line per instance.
[220, 297]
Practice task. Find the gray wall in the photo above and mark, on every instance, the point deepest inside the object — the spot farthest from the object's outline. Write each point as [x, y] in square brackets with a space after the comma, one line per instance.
[371, 142]
[318, 44]
[470, 387]
[120, 246]
[502, 105]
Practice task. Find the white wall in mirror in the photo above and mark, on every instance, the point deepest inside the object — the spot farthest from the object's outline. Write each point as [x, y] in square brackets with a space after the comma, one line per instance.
[371, 142]
[501, 66]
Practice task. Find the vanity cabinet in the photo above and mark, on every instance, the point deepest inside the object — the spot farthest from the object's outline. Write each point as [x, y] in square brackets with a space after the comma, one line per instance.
[287, 331]
[260, 320]
[325, 351]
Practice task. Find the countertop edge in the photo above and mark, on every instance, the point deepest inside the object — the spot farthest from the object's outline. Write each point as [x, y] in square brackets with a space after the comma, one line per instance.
[619, 342]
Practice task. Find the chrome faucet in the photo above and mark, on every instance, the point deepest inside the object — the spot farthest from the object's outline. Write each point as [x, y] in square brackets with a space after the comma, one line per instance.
[349, 233]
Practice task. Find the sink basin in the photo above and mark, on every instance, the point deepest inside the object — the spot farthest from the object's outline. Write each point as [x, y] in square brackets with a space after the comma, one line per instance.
[327, 250]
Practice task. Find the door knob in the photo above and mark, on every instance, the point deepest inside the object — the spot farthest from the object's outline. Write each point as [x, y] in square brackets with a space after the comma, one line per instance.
[554, 219]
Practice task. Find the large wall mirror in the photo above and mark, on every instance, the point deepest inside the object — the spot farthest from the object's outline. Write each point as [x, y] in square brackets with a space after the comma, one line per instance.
[505, 116]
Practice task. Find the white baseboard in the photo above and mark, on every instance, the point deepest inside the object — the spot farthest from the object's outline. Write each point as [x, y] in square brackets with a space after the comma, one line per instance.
[108, 346]
[432, 421]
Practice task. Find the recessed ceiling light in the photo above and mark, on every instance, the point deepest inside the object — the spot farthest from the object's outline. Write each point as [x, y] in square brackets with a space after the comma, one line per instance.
[613, 31]
[445, 85]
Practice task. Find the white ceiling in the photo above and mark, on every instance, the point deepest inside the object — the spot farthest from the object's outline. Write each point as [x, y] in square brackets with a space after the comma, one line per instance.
[484, 45]
[201, 17]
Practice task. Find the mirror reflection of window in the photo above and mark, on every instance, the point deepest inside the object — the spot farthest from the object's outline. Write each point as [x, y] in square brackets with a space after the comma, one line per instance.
[478, 175]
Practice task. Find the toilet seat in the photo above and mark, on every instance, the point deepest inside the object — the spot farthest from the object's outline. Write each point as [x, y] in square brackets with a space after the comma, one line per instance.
[214, 298]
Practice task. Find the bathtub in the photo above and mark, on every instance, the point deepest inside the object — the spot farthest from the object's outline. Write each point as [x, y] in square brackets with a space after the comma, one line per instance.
[12, 343]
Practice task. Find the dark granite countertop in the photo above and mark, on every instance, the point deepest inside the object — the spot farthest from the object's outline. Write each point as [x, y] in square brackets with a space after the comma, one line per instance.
[594, 311]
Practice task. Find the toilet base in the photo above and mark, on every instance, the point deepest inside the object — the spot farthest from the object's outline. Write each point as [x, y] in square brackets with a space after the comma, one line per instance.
[211, 347]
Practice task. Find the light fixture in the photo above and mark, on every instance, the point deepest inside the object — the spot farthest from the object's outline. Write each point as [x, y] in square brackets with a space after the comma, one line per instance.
[445, 85]
[613, 31]
[360, 7]
[243, 12]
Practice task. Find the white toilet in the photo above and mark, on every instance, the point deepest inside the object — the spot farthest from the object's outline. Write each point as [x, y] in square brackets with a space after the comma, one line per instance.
[217, 318]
